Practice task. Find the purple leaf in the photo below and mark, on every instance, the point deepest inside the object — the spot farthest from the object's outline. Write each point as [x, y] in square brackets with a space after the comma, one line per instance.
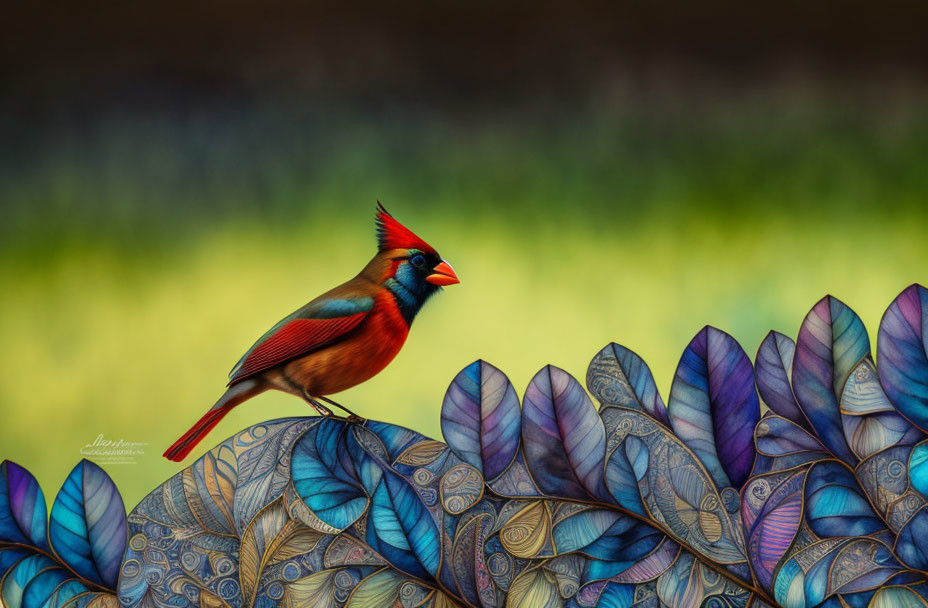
[480, 419]
[563, 437]
[714, 406]
[832, 341]
[773, 367]
[903, 354]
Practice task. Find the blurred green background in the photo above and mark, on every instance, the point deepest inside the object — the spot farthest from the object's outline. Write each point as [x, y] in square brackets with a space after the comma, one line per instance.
[167, 198]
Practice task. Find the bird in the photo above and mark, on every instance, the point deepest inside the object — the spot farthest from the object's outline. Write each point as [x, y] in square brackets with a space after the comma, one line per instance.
[342, 338]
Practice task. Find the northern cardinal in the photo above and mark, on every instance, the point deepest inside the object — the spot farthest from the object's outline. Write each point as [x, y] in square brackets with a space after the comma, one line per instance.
[340, 339]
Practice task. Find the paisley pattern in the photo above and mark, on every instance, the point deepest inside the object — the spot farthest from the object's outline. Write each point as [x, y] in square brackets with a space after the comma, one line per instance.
[551, 502]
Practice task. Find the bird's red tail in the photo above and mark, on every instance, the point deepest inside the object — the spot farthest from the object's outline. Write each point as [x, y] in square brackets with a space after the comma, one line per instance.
[236, 394]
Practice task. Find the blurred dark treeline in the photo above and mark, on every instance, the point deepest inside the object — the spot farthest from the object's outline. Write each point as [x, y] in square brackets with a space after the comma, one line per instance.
[88, 57]
[127, 123]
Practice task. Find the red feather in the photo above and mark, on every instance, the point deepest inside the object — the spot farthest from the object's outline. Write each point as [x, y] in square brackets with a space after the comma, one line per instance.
[298, 337]
[393, 235]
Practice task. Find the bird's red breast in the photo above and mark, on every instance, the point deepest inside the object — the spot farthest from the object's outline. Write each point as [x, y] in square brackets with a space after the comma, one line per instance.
[360, 355]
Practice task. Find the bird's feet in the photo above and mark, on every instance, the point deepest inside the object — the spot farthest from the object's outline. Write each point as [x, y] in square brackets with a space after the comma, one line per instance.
[352, 417]
[321, 409]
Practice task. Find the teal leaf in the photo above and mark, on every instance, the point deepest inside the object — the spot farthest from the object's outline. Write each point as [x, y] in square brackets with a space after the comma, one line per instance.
[87, 529]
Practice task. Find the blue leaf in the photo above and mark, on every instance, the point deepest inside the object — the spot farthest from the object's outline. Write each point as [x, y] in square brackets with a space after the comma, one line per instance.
[41, 588]
[835, 505]
[324, 477]
[618, 376]
[911, 545]
[23, 513]
[626, 467]
[832, 341]
[481, 420]
[401, 529]
[903, 354]
[562, 436]
[616, 595]
[88, 524]
[714, 406]
[19, 577]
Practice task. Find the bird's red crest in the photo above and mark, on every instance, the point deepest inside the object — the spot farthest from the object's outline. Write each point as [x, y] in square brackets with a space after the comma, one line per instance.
[393, 235]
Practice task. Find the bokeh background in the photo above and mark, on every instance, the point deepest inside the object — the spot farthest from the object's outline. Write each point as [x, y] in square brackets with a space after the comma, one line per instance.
[175, 177]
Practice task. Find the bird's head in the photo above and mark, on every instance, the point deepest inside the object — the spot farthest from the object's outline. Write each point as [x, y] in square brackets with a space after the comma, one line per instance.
[411, 268]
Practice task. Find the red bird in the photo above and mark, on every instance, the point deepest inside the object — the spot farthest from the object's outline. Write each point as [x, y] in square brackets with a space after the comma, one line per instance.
[340, 339]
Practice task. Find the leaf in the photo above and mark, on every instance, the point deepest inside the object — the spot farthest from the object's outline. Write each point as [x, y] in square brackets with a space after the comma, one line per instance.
[918, 468]
[19, 577]
[903, 354]
[534, 587]
[832, 341]
[529, 531]
[910, 543]
[480, 418]
[317, 590]
[271, 538]
[897, 597]
[690, 583]
[562, 437]
[781, 444]
[324, 476]
[835, 505]
[772, 513]
[401, 529]
[88, 524]
[714, 406]
[386, 588]
[23, 514]
[676, 491]
[42, 587]
[209, 487]
[618, 376]
[870, 422]
[422, 453]
[773, 368]
[831, 567]
[468, 560]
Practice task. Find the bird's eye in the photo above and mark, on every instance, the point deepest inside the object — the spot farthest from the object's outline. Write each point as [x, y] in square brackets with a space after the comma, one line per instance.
[417, 260]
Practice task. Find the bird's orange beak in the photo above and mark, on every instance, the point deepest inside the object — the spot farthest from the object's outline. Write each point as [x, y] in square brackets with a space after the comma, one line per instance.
[443, 274]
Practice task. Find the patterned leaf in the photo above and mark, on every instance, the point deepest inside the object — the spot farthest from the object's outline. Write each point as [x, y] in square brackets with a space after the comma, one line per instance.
[269, 539]
[903, 354]
[772, 513]
[714, 406]
[832, 341]
[676, 490]
[830, 567]
[870, 422]
[563, 438]
[88, 524]
[480, 418]
[618, 376]
[773, 368]
[535, 588]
